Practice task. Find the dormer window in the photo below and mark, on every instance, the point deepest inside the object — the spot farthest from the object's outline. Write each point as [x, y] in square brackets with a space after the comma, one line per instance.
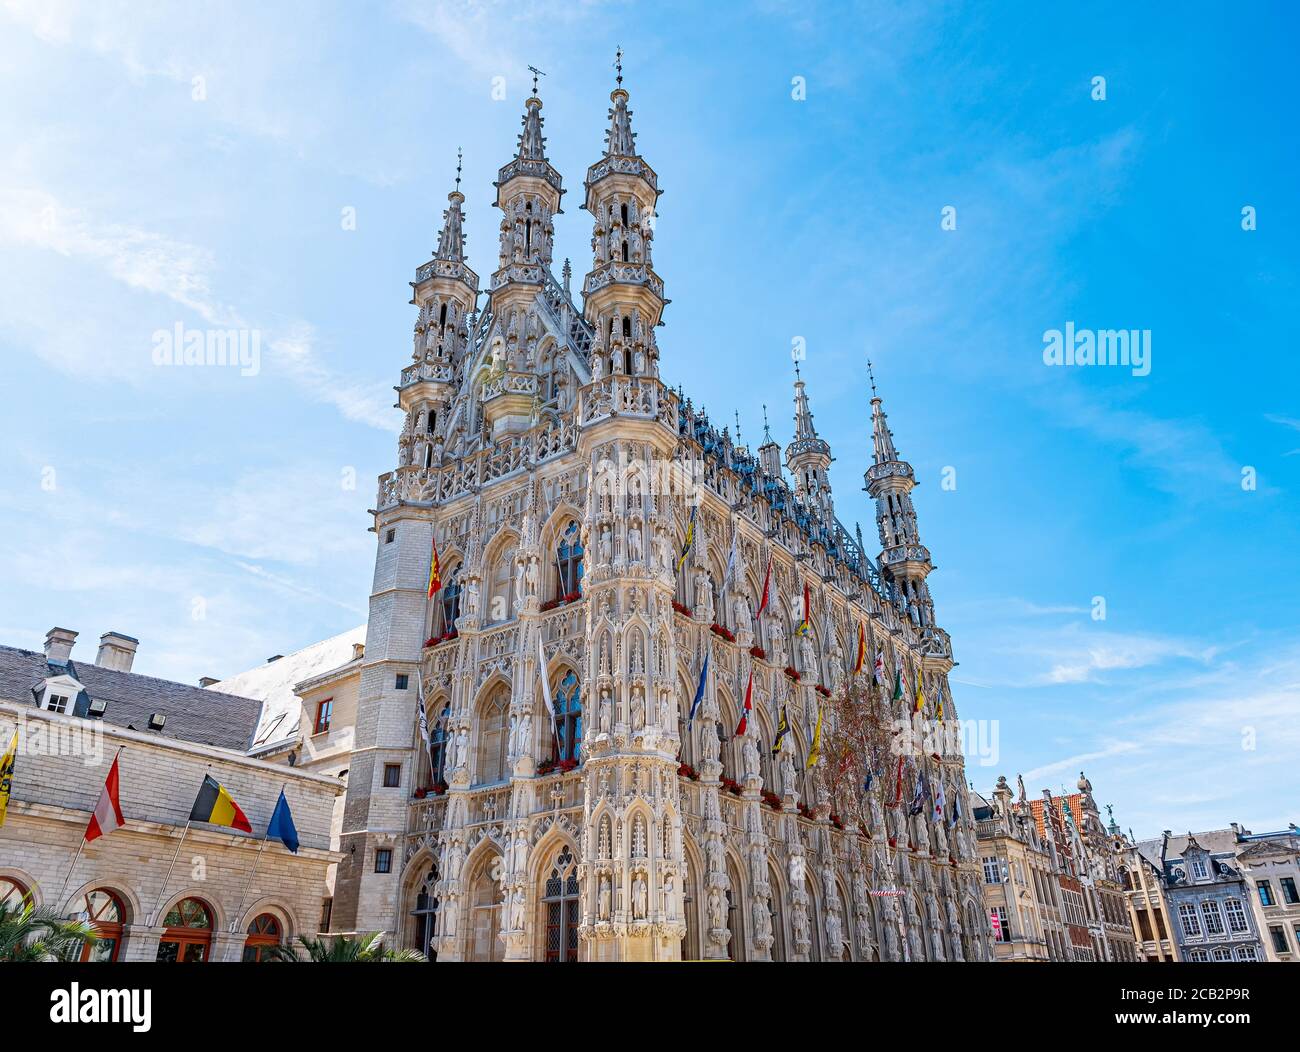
[1199, 872]
[57, 703]
[96, 709]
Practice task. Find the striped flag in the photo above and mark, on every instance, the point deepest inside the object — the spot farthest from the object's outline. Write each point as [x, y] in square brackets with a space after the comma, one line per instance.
[690, 538]
[744, 716]
[862, 649]
[814, 753]
[880, 669]
[806, 625]
[898, 677]
[108, 809]
[215, 804]
[782, 729]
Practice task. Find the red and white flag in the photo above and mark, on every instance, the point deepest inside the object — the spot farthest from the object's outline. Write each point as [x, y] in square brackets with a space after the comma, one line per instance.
[749, 707]
[108, 811]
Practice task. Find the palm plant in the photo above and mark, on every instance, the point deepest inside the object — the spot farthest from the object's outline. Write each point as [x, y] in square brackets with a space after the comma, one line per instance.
[346, 949]
[31, 934]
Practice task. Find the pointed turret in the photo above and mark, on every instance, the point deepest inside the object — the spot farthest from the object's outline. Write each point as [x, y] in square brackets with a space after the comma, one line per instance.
[623, 296]
[890, 479]
[769, 453]
[809, 457]
[446, 291]
[528, 194]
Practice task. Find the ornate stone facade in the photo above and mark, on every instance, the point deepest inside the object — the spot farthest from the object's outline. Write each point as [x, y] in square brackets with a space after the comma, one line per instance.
[599, 541]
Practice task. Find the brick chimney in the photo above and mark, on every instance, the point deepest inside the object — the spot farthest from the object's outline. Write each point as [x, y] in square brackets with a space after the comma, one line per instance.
[116, 651]
[58, 645]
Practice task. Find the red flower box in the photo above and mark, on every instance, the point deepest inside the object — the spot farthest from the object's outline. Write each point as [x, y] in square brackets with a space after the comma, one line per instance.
[441, 639]
[836, 821]
[758, 652]
[823, 691]
[721, 630]
[805, 810]
[771, 799]
[791, 673]
[687, 771]
[731, 785]
[683, 610]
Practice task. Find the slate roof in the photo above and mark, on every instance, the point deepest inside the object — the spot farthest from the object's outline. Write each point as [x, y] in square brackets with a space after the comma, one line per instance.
[204, 717]
[273, 684]
[1215, 841]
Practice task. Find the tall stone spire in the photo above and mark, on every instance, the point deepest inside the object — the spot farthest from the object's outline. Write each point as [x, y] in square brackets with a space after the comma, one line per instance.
[890, 479]
[451, 239]
[809, 456]
[528, 194]
[623, 296]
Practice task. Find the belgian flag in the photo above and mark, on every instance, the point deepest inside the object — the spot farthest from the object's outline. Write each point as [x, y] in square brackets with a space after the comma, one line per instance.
[214, 804]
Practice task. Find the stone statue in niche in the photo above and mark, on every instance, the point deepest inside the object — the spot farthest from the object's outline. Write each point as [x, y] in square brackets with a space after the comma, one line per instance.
[640, 894]
[606, 544]
[606, 895]
[606, 710]
[634, 544]
[749, 753]
[762, 922]
[717, 910]
[638, 707]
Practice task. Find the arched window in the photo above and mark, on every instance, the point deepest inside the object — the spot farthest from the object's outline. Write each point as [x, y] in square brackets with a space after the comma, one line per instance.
[778, 921]
[263, 933]
[449, 599]
[560, 903]
[104, 910]
[485, 914]
[13, 894]
[691, 904]
[188, 935]
[425, 914]
[568, 560]
[492, 737]
[568, 718]
[736, 946]
[438, 743]
[501, 602]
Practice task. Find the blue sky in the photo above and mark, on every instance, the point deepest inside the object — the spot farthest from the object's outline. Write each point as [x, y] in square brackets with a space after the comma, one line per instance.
[209, 514]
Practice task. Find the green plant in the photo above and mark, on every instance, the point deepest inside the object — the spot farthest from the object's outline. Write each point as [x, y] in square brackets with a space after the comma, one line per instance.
[346, 949]
[31, 934]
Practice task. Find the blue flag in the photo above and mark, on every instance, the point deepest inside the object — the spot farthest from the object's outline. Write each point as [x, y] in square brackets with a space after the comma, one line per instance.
[281, 825]
[699, 691]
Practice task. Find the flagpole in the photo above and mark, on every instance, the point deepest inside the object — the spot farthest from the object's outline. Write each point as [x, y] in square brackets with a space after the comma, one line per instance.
[153, 916]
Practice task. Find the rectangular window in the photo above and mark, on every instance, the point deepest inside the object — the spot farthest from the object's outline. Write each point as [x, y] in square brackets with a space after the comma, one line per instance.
[383, 860]
[326, 908]
[1236, 916]
[1246, 953]
[1002, 928]
[392, 775]
[323, 713]
[58, 703]
[1279, 939]
[1198, 868]
[1288, 890]
[389, 535]
[1265, 892]
[1213, 918]
[402, 680]
[992, 871]
[1191, 925]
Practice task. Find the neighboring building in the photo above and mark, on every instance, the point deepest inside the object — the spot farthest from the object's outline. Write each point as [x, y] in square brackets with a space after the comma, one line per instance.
[1144, 889]
[1017, 894]
[309, 711]
[1208, 898]
[584, 509]
[1052, 875]
[1270, 867]
[222, 901]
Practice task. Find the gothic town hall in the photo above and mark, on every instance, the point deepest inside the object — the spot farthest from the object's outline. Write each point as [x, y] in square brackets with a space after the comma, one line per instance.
[646, 655]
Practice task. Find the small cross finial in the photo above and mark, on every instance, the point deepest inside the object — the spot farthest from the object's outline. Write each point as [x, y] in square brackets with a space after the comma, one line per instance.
[458, 164]
[618, 63]
[797, 376]
[872, 376]
[737, 426]
[766, 430]
[536, 73]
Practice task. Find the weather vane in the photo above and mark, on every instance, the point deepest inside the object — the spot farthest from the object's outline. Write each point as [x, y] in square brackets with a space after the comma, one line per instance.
[618, 63]
[536, 73]
[458, 161]
[872, 376]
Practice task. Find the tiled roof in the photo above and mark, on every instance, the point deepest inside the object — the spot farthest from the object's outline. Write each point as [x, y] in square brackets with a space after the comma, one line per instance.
[193, 714]
[1074, 801]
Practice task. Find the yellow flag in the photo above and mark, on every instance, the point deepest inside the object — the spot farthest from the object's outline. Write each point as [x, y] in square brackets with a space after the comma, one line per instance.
[920, 696]
[815, 751]
[7, 776]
